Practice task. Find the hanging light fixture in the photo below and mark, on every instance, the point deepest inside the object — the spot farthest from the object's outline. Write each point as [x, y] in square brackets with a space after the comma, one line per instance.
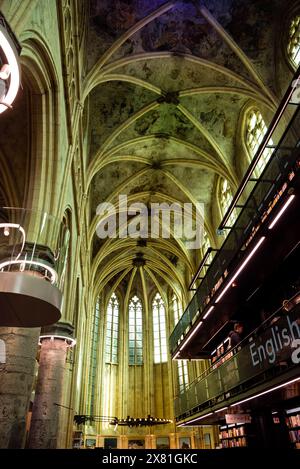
[9, 66]
[139, 422]
[129, 421]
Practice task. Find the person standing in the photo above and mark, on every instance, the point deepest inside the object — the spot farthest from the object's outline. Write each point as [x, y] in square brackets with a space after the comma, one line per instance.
[236, 335]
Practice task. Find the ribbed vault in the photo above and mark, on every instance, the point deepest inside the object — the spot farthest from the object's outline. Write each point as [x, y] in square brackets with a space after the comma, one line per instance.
[165, 91]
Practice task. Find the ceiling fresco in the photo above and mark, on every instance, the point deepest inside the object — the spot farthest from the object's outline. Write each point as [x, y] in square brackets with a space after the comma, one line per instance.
[166, 86]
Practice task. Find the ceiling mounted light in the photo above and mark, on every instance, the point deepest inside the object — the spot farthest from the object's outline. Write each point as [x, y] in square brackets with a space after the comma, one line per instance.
[194, 420]
[250, 255]
[241, 268]
[191, 335]
[281, 211]
[208, 312]
[265, 392]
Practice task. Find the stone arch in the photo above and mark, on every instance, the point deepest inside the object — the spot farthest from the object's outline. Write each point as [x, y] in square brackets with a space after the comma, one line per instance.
[9, 195]
[42, 80]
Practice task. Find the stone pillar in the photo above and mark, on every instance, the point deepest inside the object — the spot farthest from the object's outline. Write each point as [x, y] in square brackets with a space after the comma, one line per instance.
[123, 442]
[48, 396]
[16, 381]
[150, 441]
[173, 440]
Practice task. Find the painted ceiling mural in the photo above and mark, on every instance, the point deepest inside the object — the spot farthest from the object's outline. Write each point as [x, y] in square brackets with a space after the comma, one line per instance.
[166, 86]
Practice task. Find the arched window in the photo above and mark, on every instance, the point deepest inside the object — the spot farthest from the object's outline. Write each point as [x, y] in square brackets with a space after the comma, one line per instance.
[293, 48]
[183, 375]
[256, 130]
[135, 331]
[177, 309]
[225, 201]
[159, 330]
[112, 330]
[206, 244]
[94, 356]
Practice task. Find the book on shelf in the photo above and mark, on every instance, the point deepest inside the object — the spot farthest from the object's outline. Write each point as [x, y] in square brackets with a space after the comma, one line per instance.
[234, 435]
[293, 424]
[293, 421]
[295, 436]
[234, 443]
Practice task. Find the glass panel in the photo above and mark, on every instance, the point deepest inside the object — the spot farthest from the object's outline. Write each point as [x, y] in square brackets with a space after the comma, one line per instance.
[112, 319]
[225, 201]
[135, 330]
[159, 329]
[256, 130]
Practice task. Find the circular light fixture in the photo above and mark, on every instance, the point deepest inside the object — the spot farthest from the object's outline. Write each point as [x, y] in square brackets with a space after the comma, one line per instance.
[10, 68]
[22, 262]
[70, 341]
[6, 232]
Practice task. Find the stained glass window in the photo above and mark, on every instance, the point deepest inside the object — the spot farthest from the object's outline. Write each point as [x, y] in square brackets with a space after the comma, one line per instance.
[256, 130]
[112, 330]
[159, 330]
[225, 201]
[183, 375]
[293, 48]
[177, 309]
[135, 331]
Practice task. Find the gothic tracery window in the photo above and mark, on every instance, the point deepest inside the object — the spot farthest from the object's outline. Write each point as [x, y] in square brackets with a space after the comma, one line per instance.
[182, 367]
[112, 330]
[94, 356]
[177, 309]
[293, 48]
[135, 331]
[206, 244]
[183, 375]
[256, 130]
[159, 330]
[225, 201]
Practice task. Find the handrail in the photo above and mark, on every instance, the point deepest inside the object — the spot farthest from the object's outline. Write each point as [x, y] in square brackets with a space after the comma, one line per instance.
[202, 264]
[277, 116]
[240, 345]
[277, 169]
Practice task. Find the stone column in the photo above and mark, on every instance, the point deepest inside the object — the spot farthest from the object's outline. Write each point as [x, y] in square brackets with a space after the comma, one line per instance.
[173, 440]
[16, 381]
[48, 396]
[150, 441]
[123, 442]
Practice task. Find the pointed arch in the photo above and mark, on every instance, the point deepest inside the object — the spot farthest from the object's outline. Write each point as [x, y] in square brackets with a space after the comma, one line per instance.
[41, 76]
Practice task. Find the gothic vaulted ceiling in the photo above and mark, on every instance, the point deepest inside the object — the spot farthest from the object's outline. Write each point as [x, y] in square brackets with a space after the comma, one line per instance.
[164, 92]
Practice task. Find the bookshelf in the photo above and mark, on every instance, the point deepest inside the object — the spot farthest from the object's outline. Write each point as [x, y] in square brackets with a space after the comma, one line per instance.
[293, 423]
[77, 440]
[234, 435]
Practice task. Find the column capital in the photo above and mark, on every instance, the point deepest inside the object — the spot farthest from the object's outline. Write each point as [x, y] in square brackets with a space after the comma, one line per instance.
[59, 331]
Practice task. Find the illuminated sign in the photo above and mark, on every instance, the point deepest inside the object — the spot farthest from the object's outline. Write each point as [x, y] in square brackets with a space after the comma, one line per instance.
[278, 344]
[9, 69]
[238, 418]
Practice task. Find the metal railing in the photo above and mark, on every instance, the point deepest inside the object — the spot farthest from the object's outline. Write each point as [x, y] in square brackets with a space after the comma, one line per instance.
[263, 193]
[33, 242]
[252, 358]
